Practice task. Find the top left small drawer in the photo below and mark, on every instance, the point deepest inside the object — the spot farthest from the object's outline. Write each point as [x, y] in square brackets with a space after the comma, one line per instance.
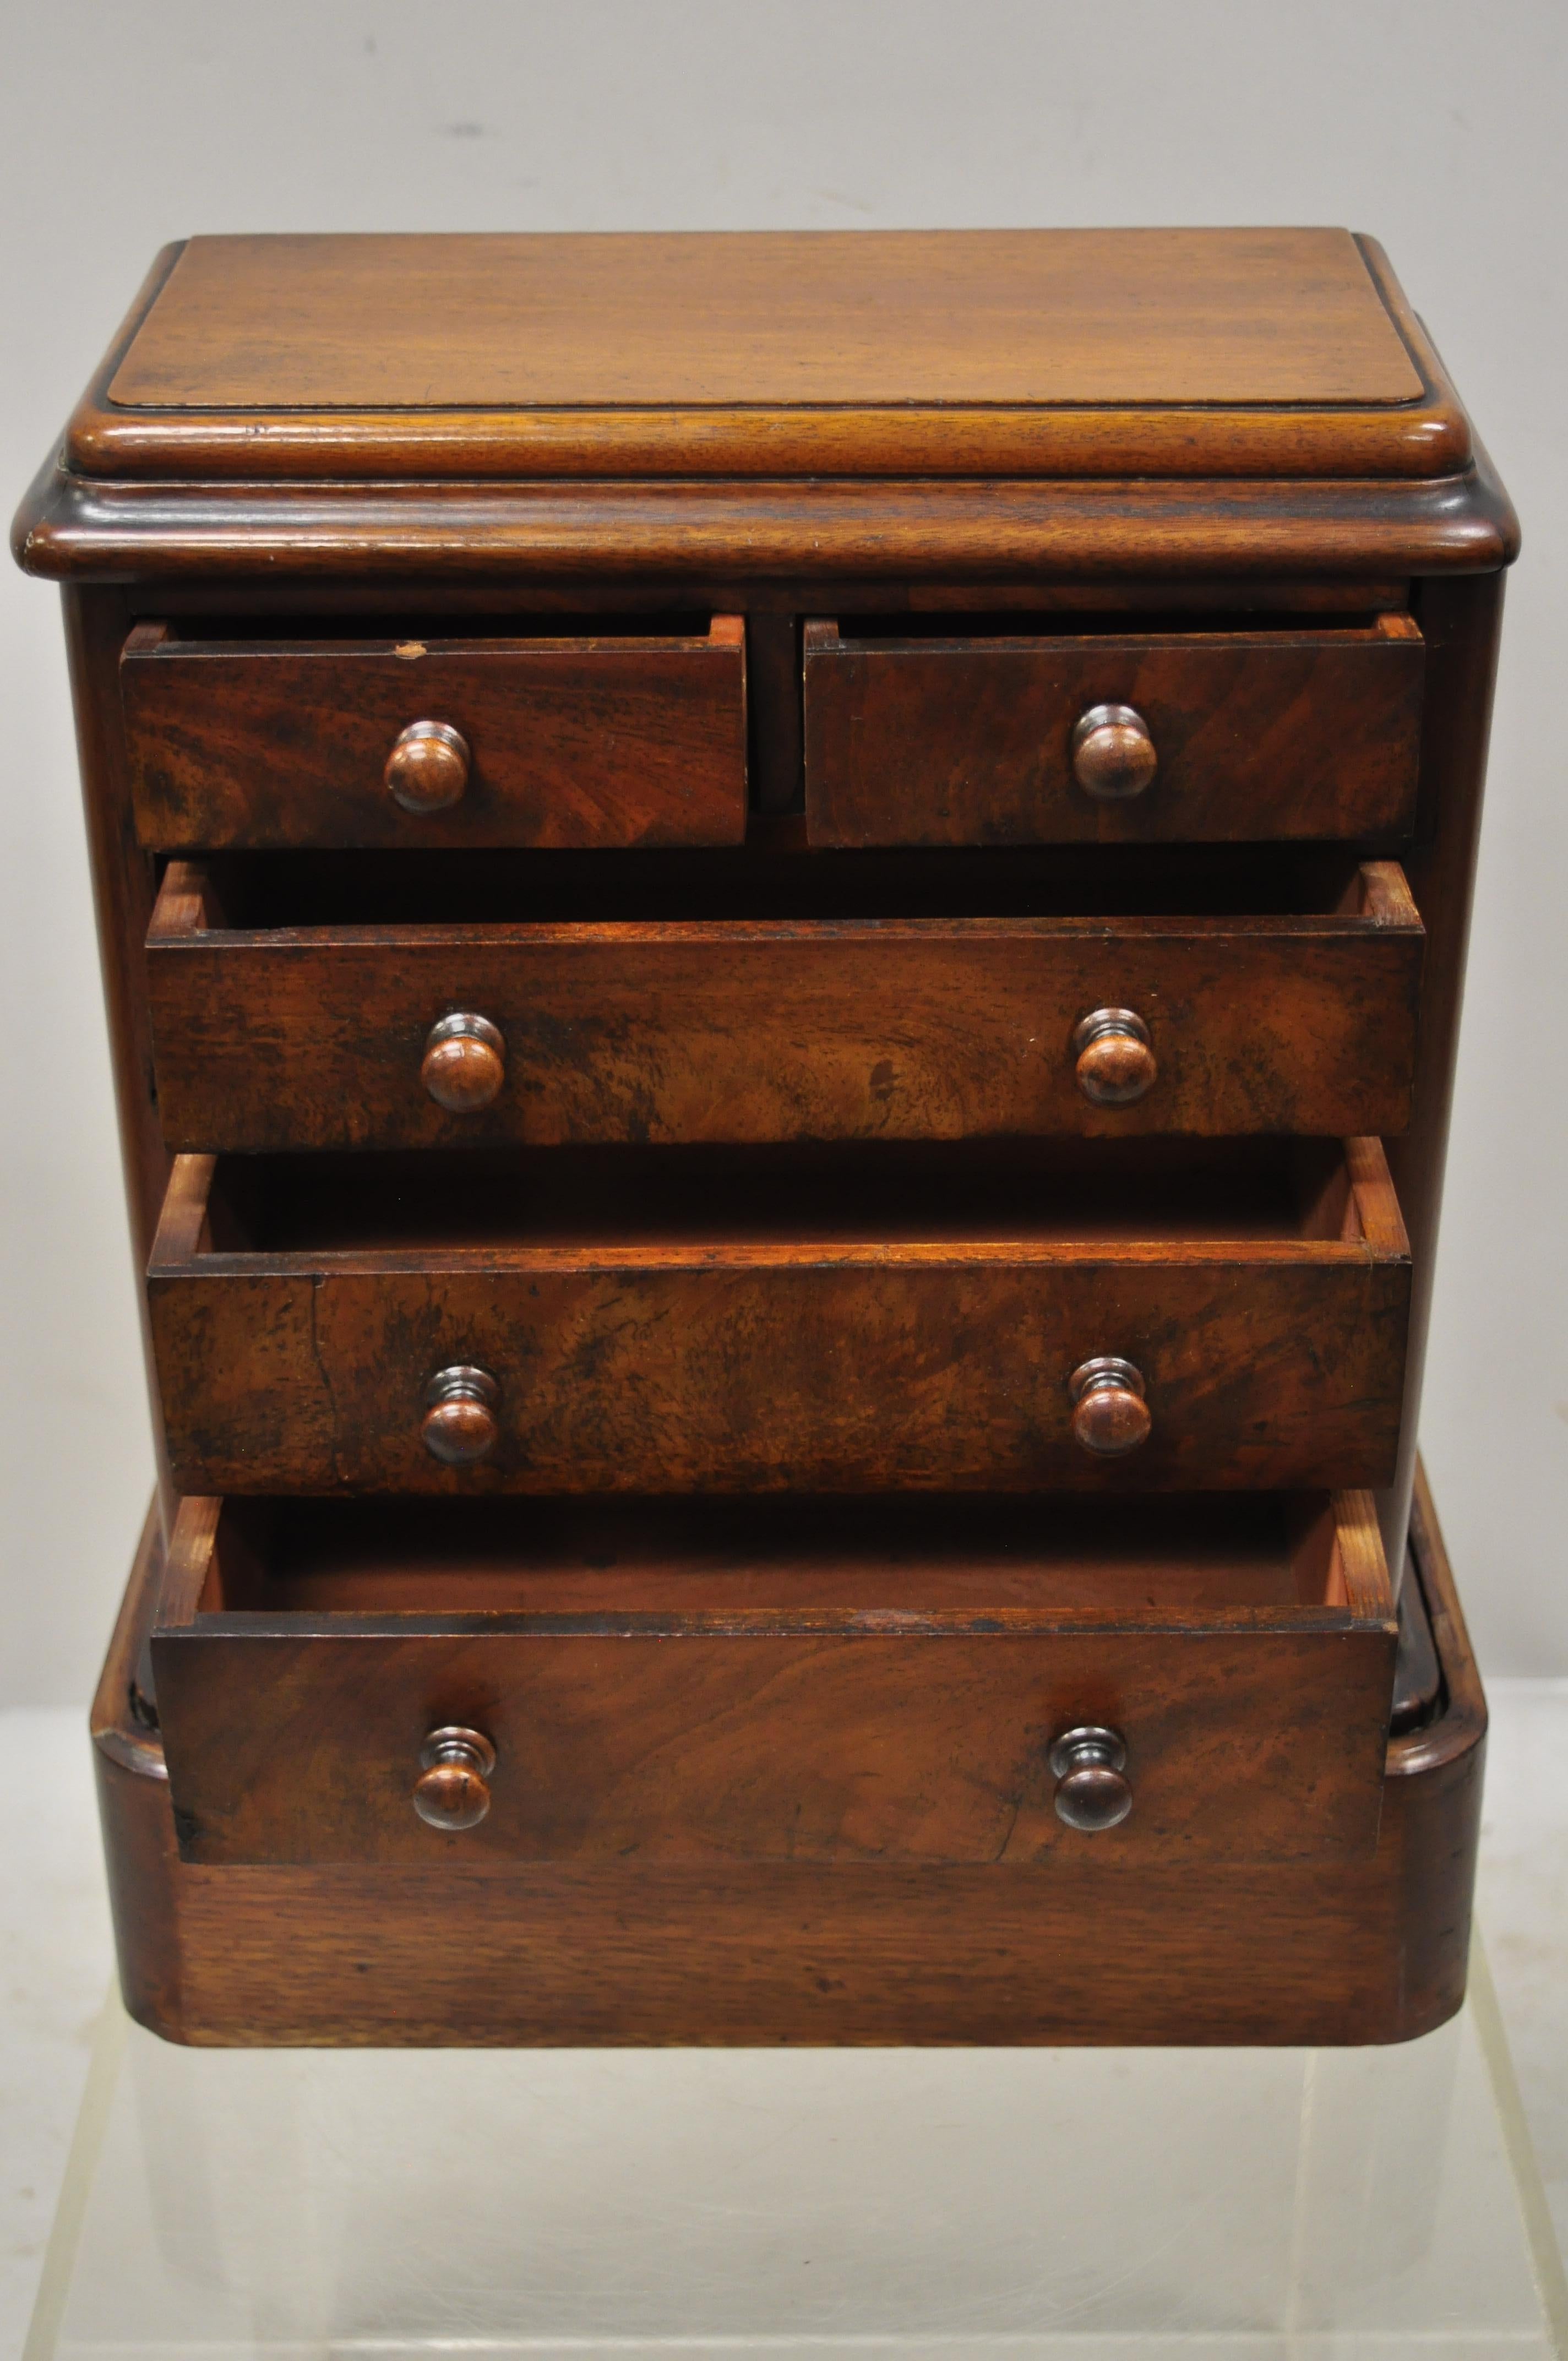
[586, 741]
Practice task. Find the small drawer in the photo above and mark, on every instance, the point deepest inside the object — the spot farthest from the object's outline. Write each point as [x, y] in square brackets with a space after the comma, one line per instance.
[1099, 1316]
[593, 741]
[941, 1681]
[292, 1014]
[1118, 738]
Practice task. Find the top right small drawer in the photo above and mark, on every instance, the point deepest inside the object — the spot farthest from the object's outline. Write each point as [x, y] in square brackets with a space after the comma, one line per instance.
[1112, 737]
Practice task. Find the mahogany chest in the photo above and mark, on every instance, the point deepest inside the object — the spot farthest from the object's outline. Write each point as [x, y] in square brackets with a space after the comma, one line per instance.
[783, 919]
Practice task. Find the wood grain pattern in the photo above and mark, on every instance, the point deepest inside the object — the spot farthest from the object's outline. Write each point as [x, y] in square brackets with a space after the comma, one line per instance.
[968, 741]
[1302, 1952]
[665, 320]
[772, 1731]
[904, 351]
[734, 1030]
[588, 741]
[701, 1339]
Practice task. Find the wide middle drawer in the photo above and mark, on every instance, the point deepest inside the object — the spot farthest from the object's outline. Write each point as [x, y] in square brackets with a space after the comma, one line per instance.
[278, 1026]
[1162, 1314]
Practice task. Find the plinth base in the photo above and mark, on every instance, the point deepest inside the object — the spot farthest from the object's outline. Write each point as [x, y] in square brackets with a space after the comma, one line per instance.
[1302, 1953]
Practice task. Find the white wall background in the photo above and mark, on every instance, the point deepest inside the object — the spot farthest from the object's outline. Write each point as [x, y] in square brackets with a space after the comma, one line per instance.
[1439, 124]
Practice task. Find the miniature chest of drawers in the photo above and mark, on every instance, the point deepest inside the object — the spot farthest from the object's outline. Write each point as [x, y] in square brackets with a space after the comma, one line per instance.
[783, 920]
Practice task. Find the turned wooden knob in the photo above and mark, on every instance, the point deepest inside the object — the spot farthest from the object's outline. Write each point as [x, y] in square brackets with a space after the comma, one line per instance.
[1087, 1765]
[1113, 754]
[428, 767]
[464, 1063]
[460, 1424]
[453, 1790]
[1110, 1415]
[1115, 1063]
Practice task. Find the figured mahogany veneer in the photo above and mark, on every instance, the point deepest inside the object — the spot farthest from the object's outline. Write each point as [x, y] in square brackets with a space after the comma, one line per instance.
[763, 1324]
[667, 1684]
[963, 740]
[272, 1035]
[592, 741]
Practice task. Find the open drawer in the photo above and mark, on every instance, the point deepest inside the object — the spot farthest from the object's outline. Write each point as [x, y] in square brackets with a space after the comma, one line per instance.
[952, 1680]
[963, 734]
[299, 1004]
[1084, 1314]
[477, 738]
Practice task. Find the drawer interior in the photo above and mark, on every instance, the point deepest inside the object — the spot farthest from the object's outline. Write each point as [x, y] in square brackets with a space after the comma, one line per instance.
[1044, 1194]
[1028, 628]
[831, 1561]
[403, 633]
[266, 892]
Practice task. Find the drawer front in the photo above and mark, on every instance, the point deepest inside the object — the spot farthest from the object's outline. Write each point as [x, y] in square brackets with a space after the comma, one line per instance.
[1233, 737]
[1248, 1733]
[547, 742]
[931, 1749]
[741, 1031]
[759, 1365]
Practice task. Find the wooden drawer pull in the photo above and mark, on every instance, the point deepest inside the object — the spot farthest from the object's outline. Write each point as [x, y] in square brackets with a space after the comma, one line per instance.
[427, 770]
[460, 1424]
[453, 1791]
[1116, 1065]
[1087, 1764]
[1110, 1415]
[1113, 756]
[464, 1063]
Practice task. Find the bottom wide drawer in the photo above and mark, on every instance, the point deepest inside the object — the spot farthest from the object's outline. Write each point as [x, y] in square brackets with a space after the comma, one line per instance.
[956, 1679]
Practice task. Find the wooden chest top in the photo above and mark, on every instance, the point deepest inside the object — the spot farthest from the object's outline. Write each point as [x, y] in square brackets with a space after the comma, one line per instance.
[1152, 352]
